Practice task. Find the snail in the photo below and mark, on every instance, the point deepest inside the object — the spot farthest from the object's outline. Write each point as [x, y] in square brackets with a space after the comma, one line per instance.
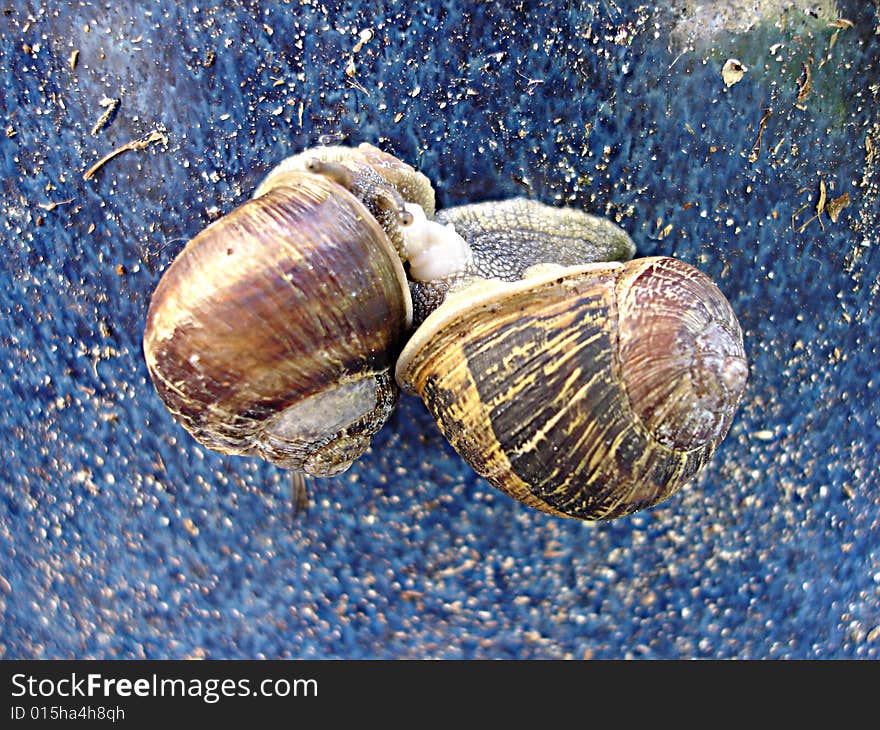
[582, 382]
[274, 331]
[589, 391]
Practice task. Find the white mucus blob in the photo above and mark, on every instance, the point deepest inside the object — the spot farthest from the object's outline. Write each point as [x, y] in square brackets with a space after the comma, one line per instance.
[434, 251]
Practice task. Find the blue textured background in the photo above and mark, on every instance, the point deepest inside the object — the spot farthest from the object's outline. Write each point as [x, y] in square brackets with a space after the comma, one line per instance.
[121, 537]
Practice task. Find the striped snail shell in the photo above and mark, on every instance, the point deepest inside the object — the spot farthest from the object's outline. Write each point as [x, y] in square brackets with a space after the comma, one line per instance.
[587, 391]
[273, 333]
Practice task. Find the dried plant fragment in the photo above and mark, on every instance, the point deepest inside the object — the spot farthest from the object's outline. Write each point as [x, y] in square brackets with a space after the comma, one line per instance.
[823, 196]
[835, 206]
[50, 206]
[135, 144]
[805, 82]
[762, 125]
[109, 105]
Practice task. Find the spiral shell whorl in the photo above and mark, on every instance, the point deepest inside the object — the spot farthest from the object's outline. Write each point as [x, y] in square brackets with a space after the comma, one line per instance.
[681, 352]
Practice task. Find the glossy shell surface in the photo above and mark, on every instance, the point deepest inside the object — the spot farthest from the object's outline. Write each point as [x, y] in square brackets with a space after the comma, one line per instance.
[590, 393]
[273, 332]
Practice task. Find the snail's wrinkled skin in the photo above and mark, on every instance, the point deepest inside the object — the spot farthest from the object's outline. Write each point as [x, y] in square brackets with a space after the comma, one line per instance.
[508, 237]
[589, 392]
[383, 183]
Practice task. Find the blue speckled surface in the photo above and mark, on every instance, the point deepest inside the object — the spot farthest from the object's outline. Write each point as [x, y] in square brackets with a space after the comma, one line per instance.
[121, 537]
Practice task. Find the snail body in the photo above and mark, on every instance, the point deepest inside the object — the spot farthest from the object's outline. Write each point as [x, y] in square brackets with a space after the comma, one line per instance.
[506, 238]
[587, 391]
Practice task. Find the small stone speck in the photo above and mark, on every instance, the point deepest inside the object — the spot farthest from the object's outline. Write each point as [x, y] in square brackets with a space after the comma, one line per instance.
[733, 71]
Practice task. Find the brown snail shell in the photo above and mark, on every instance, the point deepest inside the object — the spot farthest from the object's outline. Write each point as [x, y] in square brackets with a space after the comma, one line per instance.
[273, 333]
[589, 391]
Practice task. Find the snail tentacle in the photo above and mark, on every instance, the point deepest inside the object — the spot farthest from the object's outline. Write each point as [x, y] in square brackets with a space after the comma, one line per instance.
[335, 171]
